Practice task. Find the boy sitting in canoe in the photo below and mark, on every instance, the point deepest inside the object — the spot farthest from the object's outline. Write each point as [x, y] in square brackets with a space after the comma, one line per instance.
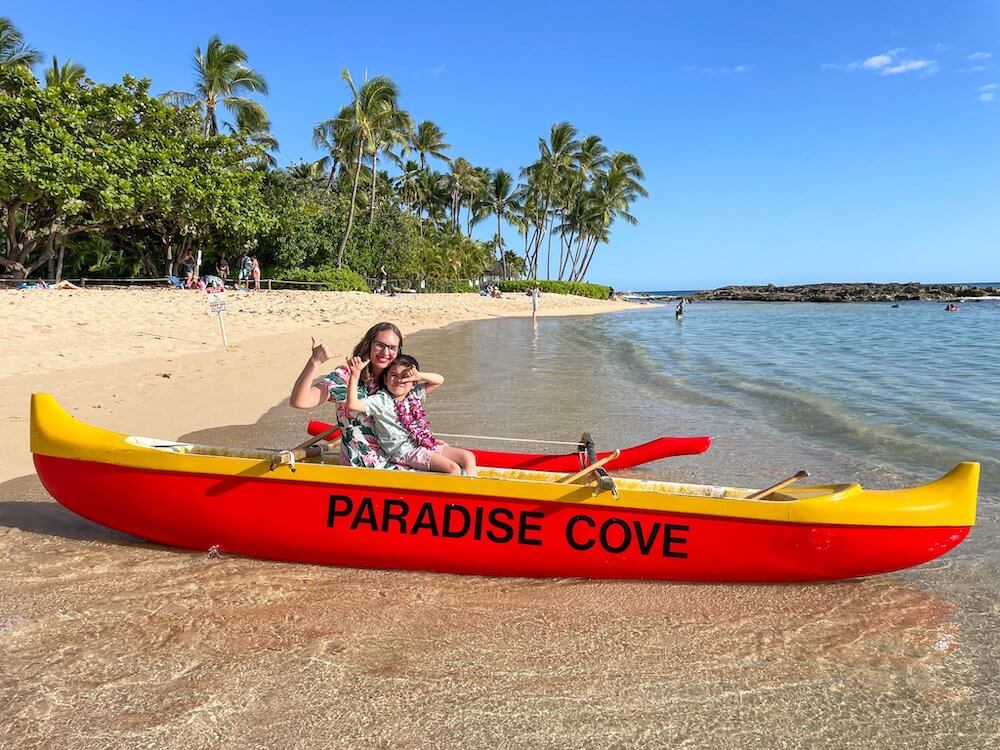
[397, 412]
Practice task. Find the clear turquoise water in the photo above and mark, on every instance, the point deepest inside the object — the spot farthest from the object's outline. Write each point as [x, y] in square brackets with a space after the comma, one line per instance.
[891, 396]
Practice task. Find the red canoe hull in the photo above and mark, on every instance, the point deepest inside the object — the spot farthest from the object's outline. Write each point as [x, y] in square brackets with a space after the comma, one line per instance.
[663, 447]
[374, 528]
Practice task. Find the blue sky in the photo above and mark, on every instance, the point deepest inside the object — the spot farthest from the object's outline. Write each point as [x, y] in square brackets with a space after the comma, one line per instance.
[783, 142]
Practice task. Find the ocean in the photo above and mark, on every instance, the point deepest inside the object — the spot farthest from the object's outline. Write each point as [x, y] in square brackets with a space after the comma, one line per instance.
[889, 396]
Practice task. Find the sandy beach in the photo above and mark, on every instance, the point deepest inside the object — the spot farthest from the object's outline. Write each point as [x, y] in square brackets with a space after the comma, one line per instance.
[152, 360]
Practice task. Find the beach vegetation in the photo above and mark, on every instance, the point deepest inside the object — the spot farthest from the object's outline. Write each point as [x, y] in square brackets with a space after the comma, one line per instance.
[113, 180]
[332, 279]
[94, 159]
[577, 288]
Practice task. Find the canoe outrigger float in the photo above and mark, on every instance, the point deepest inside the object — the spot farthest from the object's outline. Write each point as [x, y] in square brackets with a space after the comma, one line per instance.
[635, 455]
[506, 522]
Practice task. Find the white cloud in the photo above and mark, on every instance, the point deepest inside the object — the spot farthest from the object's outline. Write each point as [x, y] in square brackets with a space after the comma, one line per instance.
[888, 63]
[876, 61]
[437, 71]
[909, 66]
[980, 56]
[734, 70]
[988, 87]
[987, 96]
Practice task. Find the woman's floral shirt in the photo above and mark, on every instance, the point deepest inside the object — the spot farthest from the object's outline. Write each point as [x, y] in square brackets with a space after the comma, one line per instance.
[359, 444]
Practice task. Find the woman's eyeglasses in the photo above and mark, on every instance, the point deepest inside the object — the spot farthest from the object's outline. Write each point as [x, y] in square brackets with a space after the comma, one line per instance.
[385, 347]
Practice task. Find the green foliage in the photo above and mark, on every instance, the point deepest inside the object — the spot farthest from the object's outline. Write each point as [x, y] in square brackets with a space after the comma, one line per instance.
[91, 159]
[577, 288]
[335, 279]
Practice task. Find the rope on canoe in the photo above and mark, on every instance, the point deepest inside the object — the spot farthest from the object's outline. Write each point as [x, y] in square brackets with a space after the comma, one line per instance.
[509, 440]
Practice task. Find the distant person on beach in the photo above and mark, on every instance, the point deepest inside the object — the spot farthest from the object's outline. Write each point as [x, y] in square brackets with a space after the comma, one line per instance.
[359, 446]
[222, 268]
[244, 267]
[679, 310]
[397, 412]
[255, 272]
[383, 279]
[185, 268]
[63, 284]
[535, 294]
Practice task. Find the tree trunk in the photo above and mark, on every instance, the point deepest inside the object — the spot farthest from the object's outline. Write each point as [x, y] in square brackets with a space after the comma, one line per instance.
[59, 266]
[371, 213]
[350, 213]
[503, 255]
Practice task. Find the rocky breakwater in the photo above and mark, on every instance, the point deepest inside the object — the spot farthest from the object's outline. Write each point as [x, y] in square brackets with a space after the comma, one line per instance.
[848, 292]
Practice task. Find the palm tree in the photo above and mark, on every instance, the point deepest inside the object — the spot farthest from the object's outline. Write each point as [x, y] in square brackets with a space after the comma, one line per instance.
[13, 50]
[336, 138]
[313, 171]
[259, 134]
[590, 159]
[465, 181]
[68, 74]
[221, 77]
[391, 130]
[373, 107]
[501, 204]
[612, 197]
[555, 159]
[406, 183]
[433, 196]
[428, 139]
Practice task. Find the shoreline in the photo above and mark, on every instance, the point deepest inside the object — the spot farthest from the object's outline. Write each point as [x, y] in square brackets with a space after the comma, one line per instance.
[152, 361]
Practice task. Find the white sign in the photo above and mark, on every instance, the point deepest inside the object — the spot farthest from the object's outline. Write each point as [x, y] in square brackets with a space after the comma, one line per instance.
[216, 300]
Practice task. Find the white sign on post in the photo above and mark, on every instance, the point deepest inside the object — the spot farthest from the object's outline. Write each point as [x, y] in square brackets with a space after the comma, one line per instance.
[217, 305]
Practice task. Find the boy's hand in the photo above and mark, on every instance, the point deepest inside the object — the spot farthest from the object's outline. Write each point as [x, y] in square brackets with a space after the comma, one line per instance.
[411, 375]
[356, 365]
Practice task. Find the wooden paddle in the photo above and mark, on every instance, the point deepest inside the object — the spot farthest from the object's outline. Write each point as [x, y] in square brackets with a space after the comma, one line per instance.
[315, 439]
[300, 451]
[588, 469]
[761, 494]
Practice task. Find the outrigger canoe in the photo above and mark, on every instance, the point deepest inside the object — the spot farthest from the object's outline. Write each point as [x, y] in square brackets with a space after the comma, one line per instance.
[636, 455]
[506, 522]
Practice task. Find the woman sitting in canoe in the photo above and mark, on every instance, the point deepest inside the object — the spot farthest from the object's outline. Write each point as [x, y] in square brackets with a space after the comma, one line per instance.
[359, 445]
[397, 411]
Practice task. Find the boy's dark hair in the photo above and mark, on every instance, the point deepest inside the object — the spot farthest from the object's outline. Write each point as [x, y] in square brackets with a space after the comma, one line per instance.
[403, 359]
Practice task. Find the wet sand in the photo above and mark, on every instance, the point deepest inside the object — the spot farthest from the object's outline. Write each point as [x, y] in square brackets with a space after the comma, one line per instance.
[108, 641]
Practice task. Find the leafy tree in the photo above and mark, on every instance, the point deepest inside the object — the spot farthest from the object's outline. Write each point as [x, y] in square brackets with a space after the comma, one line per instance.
[89, 159]
[222, 80]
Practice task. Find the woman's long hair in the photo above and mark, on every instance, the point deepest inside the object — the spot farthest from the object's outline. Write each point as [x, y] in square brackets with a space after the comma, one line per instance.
[364, 347]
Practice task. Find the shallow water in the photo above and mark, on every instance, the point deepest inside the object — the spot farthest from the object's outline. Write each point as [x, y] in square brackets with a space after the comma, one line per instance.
[107, 641]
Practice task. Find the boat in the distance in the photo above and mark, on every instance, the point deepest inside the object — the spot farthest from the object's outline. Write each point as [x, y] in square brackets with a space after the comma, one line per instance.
[506, 522]
[636, 455]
